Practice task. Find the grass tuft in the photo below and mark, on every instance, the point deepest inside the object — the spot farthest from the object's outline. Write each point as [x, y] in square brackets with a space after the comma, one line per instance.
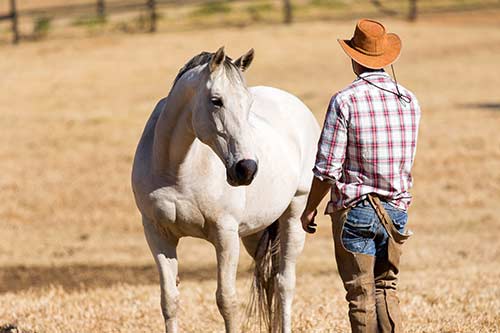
[89, 21]
[212, 8]
[42, 27]
[328, 3]
[257, 11]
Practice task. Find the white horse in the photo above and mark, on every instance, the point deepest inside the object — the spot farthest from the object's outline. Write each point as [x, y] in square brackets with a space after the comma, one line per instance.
[201, 144]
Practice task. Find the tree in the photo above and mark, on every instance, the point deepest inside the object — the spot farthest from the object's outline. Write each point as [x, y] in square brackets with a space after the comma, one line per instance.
[287, 11]
[412, 15]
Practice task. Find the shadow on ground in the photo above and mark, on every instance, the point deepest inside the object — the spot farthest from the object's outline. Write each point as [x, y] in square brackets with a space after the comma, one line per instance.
[79, 276]
[484, 106]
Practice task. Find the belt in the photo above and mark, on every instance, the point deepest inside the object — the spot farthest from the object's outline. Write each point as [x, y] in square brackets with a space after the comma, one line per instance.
[386, 220]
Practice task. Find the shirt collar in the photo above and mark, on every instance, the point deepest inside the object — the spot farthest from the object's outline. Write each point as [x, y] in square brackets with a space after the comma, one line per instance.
[374, 74]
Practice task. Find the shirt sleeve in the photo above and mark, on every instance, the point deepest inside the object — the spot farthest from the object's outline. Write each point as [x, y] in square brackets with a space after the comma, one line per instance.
[332, 142]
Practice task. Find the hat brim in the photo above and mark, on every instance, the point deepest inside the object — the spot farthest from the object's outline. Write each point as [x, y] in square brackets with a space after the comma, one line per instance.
[389, 57]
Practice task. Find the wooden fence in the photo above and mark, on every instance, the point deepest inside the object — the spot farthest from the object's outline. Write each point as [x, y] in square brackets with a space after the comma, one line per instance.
[12, 15]
[103, 8]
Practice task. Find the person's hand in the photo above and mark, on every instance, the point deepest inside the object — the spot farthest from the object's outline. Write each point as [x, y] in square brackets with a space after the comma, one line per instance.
[307, 220]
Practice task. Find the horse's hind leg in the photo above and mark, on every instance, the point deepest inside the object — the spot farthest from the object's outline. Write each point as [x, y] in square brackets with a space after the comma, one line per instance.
[292, 239]
[163, 248]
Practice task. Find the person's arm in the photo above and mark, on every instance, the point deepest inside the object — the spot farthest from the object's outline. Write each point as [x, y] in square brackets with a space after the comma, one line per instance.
[319, 189]
[329, 159]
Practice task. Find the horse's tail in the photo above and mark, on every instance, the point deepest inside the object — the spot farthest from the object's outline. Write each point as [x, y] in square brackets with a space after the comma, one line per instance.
[262, 308]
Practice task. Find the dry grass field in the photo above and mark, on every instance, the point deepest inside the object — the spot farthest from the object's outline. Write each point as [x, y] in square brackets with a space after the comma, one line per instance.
[72, 254]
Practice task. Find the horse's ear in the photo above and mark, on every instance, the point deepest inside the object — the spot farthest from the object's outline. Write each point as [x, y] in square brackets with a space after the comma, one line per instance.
[245, 60]
[217, 59]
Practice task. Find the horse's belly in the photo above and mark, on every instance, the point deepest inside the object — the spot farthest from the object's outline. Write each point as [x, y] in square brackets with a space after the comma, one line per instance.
[267, 198]
[259, 220]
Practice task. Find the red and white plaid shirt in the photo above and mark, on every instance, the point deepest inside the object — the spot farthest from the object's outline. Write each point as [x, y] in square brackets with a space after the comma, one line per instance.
[368, 143]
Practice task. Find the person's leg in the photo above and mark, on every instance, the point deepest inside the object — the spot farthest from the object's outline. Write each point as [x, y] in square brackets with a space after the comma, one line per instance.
[386, 275]
[353, 233]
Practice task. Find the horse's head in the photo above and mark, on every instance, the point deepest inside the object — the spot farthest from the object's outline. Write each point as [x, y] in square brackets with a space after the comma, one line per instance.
[221, 114]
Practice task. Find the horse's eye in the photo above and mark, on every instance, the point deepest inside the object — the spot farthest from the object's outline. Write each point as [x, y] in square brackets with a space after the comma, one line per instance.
[217, 102]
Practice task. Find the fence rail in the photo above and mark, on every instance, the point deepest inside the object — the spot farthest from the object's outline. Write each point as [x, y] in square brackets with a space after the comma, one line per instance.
[103, 8]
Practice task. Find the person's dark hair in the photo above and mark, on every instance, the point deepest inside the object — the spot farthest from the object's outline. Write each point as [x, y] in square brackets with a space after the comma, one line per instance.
[366, 69]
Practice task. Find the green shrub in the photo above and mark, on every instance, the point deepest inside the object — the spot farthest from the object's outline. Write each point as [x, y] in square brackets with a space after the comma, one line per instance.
[328, 3]
[89, 21]
[42, 26]
[257, 10]
[211, 8]
[139, 23]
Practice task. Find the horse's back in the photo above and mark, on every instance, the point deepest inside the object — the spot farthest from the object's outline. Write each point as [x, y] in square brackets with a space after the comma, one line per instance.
[285, 110]
[289, 116]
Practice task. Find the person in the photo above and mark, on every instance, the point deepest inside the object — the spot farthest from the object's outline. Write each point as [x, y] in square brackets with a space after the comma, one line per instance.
[365, 156]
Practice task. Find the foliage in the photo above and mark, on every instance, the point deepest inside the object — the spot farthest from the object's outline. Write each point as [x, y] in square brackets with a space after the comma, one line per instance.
[139, 23]
[89, 21]
[328, 3]
[211, 8]
[256, 11]
[41, 27]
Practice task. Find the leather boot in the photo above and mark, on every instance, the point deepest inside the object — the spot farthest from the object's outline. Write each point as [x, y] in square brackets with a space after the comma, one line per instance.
[357, 273]
[386, 280]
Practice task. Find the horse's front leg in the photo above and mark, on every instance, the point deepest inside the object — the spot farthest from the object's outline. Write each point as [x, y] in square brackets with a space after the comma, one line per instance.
[292, 239]
[163, 247]
[227, 246]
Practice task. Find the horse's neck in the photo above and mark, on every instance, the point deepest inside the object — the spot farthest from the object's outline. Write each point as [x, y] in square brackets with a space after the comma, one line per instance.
[174, 135]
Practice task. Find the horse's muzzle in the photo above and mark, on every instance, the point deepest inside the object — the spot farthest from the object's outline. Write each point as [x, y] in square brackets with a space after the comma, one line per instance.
[242, 173]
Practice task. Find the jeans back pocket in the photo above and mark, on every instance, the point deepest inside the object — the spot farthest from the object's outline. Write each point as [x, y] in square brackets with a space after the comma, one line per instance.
[360, 229]
[399, 217]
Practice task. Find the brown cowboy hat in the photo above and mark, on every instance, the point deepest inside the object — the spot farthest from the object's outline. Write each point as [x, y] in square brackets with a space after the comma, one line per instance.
[371, 46]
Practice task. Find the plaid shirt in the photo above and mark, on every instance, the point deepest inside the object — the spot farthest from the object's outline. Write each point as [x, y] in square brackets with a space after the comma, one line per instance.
[368, 143]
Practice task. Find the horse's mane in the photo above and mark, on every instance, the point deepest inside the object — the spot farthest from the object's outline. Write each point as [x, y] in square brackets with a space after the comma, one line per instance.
[204, 58]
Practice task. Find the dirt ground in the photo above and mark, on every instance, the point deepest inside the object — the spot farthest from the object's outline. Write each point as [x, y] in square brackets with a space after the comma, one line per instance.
[72, 254]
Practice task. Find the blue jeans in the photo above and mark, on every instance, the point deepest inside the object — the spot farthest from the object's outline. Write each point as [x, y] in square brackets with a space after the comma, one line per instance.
[364, 233]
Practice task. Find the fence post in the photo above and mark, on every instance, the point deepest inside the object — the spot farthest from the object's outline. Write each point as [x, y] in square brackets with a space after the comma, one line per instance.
[13, 15]
[152, 15]
[412, 15]
[101, 9]
[287, 11]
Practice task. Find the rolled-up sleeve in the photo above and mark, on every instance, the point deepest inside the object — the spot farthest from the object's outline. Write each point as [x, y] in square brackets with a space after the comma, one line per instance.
[333, 142]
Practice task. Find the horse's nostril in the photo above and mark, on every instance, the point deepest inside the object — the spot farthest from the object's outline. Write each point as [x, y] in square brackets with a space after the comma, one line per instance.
[246, 170]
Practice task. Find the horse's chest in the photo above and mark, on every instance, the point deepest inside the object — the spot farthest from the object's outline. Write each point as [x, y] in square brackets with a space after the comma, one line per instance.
[177, 214]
